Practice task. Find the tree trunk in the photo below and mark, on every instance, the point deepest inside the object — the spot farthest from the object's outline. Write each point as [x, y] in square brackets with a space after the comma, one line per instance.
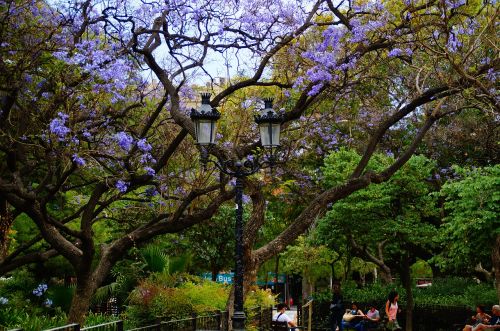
[276, 270]
[215, 272]
[385, 274]
[408, 285]
[495, 258]
[80, 303]
[6, 221]
[305, 289]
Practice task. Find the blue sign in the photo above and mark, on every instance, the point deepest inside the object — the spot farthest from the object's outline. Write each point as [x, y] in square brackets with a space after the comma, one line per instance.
[224, 278]
[227, 278]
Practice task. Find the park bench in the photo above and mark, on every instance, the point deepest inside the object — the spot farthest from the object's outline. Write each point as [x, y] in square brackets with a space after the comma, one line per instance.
[279, 326]
[283, 326]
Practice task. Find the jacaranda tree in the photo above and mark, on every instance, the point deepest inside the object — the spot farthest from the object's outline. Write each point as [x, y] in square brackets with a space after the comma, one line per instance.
[95, 96]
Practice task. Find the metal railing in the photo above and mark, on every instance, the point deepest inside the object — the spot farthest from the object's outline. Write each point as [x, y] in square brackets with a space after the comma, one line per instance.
[257, 317]
[69, 327]
[306, 314]
[111, 326]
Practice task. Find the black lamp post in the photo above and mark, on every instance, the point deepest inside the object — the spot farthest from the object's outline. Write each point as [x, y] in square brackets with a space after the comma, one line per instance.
[205, 122]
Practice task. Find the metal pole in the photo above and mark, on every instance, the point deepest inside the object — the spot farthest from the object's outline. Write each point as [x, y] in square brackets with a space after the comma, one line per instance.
[239, 314]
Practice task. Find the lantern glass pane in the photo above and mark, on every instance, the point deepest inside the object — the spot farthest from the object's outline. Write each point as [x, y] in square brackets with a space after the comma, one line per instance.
[276, 134]
[205, 132]
[269, 134]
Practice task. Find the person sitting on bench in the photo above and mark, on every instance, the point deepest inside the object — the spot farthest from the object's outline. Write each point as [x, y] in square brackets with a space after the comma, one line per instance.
[493, 323]
[280, 316]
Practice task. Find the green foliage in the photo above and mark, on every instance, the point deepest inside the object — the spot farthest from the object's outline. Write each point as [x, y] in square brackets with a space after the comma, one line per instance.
[457, 291]
[30, 320]
[95, 319]
[174, 297]
[155, 257]
[400, 212]
[259, 297]
[311, 261]
[376, 292]
[179, 296]
[472, 223]
[212, 243]
[61, 296]
[206, 296]
[443, 291]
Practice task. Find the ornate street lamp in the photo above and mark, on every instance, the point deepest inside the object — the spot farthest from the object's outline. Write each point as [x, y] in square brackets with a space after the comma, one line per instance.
[205, 123]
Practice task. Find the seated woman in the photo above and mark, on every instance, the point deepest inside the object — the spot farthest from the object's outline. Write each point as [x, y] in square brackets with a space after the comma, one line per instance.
[371, 319]
[480, 318]
[493, 323]
[281, 316]
[353, 318]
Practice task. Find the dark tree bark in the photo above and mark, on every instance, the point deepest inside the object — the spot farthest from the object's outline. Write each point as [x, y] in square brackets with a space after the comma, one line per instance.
[6, 220]
[495, 258]
[408, 285]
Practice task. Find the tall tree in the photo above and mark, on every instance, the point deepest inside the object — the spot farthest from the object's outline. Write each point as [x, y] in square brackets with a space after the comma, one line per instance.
[471, 228]
[77, 114]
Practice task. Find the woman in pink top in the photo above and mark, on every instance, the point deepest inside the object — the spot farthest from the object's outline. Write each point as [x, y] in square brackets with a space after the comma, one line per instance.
[391, 310]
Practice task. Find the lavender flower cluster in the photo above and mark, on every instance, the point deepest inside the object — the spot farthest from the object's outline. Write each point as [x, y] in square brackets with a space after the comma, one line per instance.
[40, 290]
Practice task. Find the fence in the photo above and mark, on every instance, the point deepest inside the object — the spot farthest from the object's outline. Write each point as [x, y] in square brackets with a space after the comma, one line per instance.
[425, 317]
[257, 317]
[111, 326]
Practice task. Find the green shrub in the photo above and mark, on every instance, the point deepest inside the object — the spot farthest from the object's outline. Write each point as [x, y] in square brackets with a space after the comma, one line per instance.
[206, 296]
[259, 297]
[445, 291]
[97, 318]
[13, 317]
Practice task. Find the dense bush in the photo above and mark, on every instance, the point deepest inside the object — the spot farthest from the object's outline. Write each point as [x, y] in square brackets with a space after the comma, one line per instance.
[167, 297]
[30, 304]
[445, 291]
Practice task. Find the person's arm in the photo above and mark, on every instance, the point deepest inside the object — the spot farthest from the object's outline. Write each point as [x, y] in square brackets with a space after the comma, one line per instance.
[290, 322]
[387, 308]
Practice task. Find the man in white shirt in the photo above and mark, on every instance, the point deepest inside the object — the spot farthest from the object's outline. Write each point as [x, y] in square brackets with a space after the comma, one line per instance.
[280, 315]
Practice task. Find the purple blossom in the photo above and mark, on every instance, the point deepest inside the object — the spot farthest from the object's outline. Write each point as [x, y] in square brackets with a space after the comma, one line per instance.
[245, 199]
[58, 126]
[86, 134]
[122, 186]
[315, 89]
[124, 140]
[151, 191]
[453, 43]
[143, 145]
[453, 4]
[147, 158]
[492, 75]
[78, 160]
[40, 290]
[180, 191]
[395, 52]
[150, 171]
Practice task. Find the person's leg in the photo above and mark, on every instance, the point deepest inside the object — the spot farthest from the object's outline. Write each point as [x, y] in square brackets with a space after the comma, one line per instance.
[333, 322]
[360, 326]
[467, 328]
[339, 322]
[479, 327]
